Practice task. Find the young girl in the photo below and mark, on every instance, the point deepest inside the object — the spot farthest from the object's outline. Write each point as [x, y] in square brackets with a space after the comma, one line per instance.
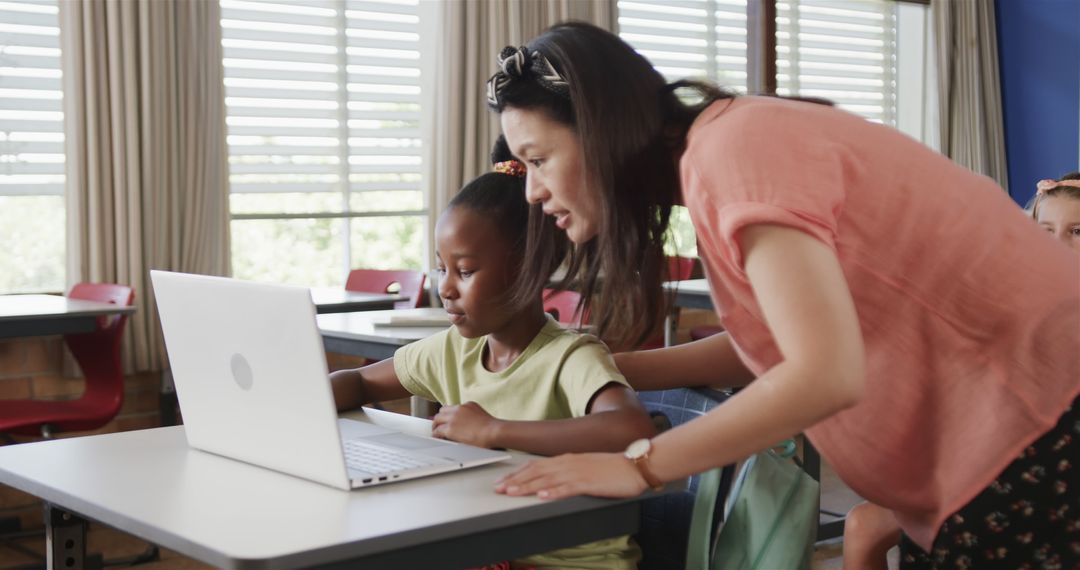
[1056, 208]
[507, 375]
[897, 308]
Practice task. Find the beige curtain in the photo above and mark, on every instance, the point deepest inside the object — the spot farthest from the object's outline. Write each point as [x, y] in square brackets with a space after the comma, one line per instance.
[147, 164]
[969, 89]
[472, 33]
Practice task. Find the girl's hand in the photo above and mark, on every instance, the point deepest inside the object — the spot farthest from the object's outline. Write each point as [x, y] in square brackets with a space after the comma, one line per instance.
[467, 423]
[597, 474]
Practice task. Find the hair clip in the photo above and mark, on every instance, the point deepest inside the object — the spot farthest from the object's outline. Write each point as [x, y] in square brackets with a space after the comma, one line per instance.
[510, 167]
[1044, 186]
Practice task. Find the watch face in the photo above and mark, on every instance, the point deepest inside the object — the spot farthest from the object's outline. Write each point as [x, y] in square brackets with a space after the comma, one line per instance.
[638, 448]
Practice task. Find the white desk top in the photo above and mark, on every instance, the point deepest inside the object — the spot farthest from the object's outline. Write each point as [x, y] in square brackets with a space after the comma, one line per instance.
[231, 514]
[23, 307]
[361, 326]
[690, 286]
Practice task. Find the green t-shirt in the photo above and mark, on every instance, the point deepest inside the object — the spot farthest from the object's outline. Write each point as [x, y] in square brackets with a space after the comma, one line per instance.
[553, 379]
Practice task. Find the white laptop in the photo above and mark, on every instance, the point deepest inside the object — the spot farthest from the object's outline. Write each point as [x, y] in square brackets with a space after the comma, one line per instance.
[251, 378]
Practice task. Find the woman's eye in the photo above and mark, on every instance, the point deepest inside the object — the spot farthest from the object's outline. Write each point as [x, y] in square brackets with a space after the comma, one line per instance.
[1076, 231]
[440, 270]
[536, 162]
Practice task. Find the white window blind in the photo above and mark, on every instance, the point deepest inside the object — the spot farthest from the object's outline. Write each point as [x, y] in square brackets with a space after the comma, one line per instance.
[324, 137]
[842, 50]
[31, 148]
[689, 38]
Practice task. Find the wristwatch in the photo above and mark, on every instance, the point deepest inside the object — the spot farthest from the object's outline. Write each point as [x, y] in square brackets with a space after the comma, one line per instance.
[638, 454]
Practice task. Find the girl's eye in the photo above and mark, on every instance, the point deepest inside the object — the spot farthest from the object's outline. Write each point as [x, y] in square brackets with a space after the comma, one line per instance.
[1076, 231]
[440, 270]
[465, 274]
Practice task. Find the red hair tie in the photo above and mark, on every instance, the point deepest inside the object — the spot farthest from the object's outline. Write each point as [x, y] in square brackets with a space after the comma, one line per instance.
[510, 167]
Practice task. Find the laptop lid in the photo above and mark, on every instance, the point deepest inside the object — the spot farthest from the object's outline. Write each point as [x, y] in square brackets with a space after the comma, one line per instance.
[250, 373]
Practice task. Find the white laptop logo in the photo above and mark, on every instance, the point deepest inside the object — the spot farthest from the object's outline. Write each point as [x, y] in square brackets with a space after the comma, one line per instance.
[241, 372]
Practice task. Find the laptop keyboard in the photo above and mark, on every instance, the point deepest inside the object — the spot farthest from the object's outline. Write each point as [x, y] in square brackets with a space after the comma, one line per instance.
[375, 459]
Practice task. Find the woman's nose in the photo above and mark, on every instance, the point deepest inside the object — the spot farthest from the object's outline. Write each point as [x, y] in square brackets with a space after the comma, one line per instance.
[535, 192]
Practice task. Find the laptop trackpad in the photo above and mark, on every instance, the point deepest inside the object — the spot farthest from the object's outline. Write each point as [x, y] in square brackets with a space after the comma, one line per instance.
[403, 441]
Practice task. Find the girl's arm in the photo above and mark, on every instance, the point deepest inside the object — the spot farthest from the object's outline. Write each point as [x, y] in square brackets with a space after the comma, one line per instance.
[711, 361]
[373, 383]
[615, 419]
[802, 292]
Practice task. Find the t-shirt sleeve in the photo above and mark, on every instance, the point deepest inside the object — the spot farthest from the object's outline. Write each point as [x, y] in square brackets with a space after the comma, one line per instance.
[587, 368]
[766, 167]
[420, 366]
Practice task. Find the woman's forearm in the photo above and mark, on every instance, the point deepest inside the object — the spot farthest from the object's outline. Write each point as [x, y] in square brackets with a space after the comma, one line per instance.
[779, 404]
[711, 361]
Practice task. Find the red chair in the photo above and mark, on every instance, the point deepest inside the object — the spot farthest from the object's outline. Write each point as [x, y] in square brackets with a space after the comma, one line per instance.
[410, 284]
[563, 305]
[98, 355]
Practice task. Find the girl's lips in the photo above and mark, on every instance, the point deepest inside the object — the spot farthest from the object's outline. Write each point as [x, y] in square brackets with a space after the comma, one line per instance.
[455, 318]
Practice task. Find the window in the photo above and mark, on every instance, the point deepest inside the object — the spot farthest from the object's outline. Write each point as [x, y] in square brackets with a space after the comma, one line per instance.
[703, 39]
[868, 56]
[323, 112]
[32, 223]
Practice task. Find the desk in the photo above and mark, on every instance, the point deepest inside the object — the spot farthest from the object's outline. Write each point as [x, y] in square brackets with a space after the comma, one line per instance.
[42, 315]
[355, 334]
[337, 300]
[234, 515]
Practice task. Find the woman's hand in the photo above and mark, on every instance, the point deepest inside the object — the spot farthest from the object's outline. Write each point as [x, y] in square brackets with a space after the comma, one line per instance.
[597, 474]
[467, 423]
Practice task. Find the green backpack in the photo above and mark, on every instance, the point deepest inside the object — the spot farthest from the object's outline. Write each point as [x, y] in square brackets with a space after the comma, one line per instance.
[770, 520]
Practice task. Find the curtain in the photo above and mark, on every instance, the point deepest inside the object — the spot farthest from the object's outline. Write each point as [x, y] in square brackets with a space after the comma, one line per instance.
[971, 126]
[472, 33]
[147, 167]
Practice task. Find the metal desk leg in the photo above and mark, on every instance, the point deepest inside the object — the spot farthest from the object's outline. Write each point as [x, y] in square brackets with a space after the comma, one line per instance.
[812, 465]
[671, 326]
[420, 407]
[65, 539]
[167, 400]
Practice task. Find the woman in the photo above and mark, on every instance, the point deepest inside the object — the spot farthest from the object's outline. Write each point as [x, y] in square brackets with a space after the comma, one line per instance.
[896, 308]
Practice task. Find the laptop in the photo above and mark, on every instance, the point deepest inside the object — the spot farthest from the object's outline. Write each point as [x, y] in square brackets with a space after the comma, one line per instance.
[251, 379]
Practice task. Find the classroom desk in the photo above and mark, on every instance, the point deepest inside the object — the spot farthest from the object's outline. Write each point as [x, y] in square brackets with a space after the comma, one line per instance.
[234, 515]
[694, 294]
[337, 300]
[43, 315]
[355, 334]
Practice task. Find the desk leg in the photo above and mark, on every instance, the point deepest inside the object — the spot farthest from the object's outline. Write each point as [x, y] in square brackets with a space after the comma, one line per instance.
[671, 326]
[65, 539]
[420, 407]
[167, 400]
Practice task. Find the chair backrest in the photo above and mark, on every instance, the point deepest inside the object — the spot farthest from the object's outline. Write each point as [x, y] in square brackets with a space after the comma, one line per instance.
[410, 283]
[98, 355]
[680, 268]
[563, 305]
[666, 532]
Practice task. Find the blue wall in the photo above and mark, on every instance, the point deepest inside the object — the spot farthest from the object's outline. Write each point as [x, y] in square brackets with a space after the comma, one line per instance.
[1039, 52]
